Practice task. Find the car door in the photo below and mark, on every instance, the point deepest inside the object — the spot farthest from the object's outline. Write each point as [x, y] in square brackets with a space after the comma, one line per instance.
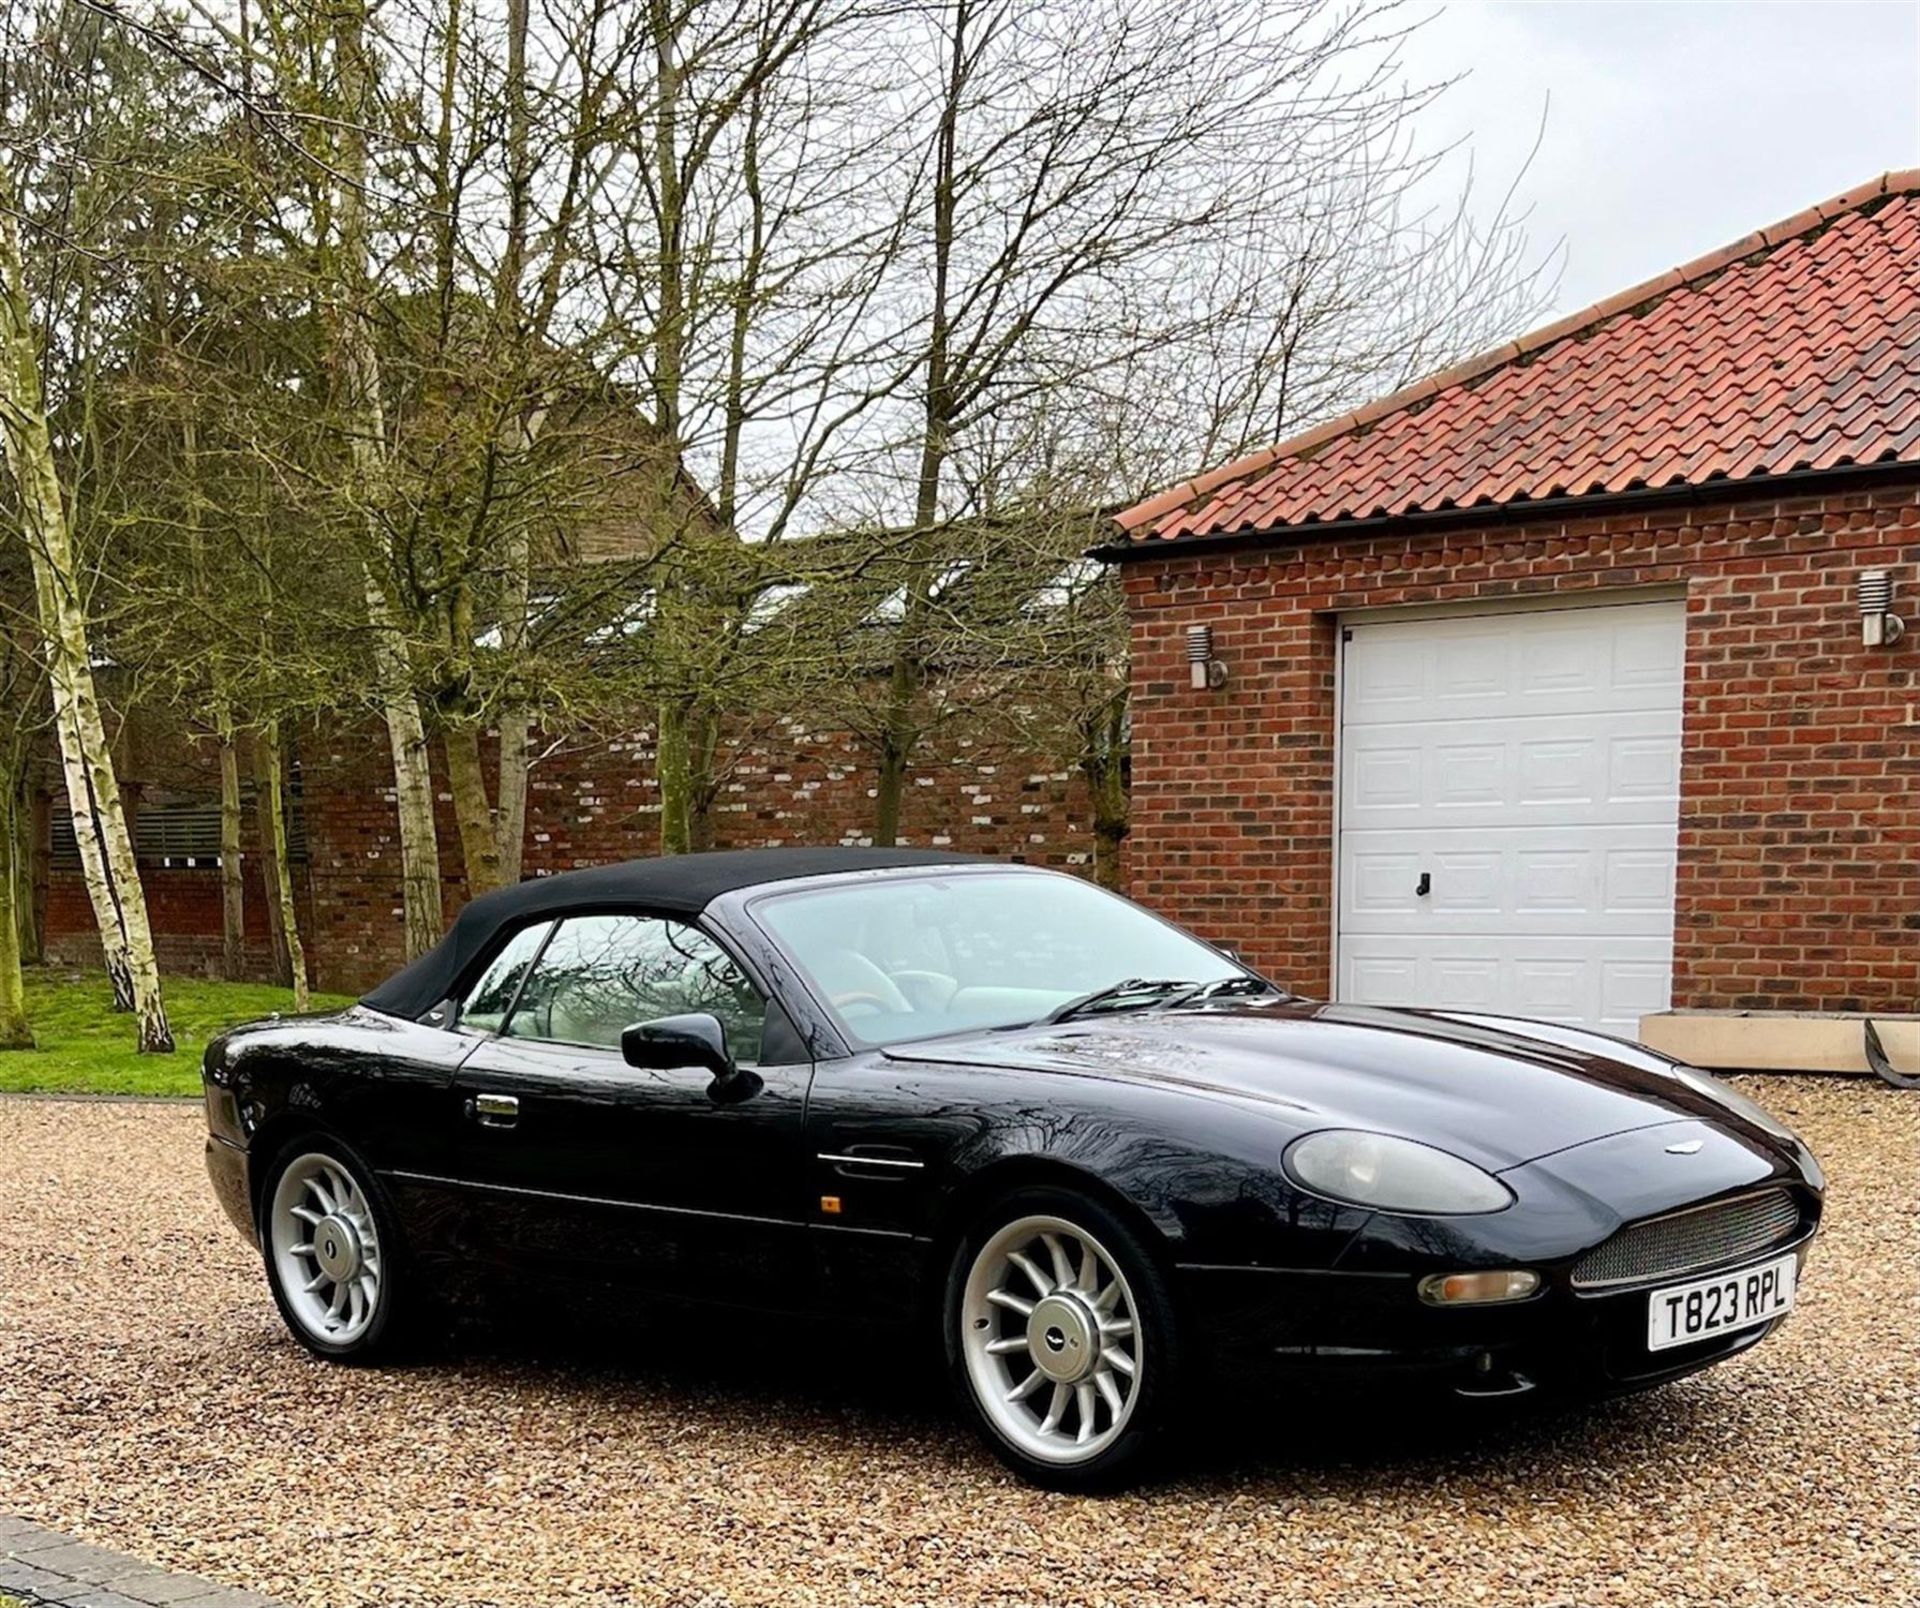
[666, 1181]
[880, 1141]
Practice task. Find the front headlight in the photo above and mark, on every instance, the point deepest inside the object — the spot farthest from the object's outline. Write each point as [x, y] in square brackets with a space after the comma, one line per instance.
[1392, 1174]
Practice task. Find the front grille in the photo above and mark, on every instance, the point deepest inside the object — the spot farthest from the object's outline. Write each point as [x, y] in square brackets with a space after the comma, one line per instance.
[1691, 1241]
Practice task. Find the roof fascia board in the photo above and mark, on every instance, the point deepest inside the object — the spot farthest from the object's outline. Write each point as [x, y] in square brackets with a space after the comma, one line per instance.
[1587, 505]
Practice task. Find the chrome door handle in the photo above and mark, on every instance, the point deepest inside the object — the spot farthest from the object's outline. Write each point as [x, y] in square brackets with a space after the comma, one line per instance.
[494, 1110]
[858, 1161]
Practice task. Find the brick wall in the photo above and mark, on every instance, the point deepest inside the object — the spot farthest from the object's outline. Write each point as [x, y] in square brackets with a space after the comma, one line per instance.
[587, 805]
[183, 905]
[1799, 868]
[598, 803]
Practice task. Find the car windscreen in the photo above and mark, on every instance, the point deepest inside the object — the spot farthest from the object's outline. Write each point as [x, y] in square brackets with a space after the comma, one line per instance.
[902, 958]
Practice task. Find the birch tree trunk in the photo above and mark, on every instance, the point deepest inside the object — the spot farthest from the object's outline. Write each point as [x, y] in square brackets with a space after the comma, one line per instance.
[273, 827]
[15, 1034]
[93, 790]
[94, 871]
[271, 870]
[400, 705]
[412, 776]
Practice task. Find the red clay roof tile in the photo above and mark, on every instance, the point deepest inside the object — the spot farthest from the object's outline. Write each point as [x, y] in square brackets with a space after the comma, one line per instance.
[1795, 347]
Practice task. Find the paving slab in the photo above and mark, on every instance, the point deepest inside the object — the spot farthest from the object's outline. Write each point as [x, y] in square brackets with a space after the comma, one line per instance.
[46, 1569]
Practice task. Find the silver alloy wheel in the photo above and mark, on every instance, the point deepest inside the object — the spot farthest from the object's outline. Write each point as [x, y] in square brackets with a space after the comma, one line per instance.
[1052, 1344]
[326, 1249]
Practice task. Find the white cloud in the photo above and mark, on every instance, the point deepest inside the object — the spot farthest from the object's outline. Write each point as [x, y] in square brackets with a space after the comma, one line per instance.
[1673, 128]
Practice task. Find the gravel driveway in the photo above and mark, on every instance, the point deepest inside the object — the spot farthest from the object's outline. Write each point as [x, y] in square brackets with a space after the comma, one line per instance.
[150, 1401]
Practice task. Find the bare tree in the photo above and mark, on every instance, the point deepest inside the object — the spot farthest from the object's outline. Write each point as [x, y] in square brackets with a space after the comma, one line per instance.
[1107, 190]
[834, 326]
[755, 265]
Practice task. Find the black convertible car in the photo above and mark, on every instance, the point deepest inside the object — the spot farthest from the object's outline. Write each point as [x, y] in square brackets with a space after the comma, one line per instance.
[899, 1086]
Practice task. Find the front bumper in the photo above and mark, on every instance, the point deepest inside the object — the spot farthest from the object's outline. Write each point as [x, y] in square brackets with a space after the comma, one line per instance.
[1370, 1330]
[1363, 1319]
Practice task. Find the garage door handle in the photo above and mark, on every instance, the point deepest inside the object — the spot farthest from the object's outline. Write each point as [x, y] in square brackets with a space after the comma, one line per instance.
[1423, 887]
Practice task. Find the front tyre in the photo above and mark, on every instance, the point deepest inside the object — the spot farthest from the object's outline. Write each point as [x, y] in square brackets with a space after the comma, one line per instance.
[1060, 1339]
[331, 1249]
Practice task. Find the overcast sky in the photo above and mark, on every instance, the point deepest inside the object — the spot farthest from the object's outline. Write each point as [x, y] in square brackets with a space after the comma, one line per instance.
[1671, 128]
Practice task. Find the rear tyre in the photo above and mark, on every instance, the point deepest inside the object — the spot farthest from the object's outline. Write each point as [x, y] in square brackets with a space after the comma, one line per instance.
[332, 1250]
[1060, 1339]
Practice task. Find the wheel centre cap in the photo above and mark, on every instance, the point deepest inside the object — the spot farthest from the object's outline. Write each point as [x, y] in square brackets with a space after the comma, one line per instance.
[336, 1246]
[1063, 1338]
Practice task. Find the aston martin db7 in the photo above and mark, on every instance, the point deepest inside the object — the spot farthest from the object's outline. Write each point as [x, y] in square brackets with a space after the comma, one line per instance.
[1100, 1157]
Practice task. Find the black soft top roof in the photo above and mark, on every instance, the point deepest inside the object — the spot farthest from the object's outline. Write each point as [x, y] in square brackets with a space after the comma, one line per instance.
[680, 884]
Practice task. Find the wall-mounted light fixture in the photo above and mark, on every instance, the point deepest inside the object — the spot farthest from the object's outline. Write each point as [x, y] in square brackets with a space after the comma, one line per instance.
[1204, 671]
[1880, 627]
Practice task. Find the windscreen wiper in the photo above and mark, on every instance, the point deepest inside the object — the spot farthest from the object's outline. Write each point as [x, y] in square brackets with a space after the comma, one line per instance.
[1165, 992]
[1223, 987]
[1150, 990]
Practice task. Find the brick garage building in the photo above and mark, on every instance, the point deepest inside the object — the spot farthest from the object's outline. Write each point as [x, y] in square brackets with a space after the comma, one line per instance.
[1546, 690]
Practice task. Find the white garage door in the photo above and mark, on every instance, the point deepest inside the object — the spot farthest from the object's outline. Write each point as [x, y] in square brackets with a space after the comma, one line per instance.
[1522, 769]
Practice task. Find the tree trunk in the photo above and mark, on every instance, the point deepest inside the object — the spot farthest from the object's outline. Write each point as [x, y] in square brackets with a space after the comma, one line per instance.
[467, 781]
[271, 869]
[412, 779]
[233, 907]
[521, 430]
[113, 879]
[273, 829]
[15, 1034]
[509, 825]
[1109, 832]
[94, 872]
[510, 815]
[938, 407]
[400, 705]
[703, 746]
[1103, 763]
[898, 738]
[37, 823]
[673, 768]
[890, 782]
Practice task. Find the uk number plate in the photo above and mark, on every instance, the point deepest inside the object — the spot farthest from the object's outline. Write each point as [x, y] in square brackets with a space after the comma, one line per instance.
[1684, 1313]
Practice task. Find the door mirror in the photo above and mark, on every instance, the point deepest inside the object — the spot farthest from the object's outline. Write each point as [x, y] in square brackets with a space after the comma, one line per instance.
[696, 1039]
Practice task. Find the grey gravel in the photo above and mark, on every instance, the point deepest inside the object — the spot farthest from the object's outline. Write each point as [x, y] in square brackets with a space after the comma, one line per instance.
[151, 1402]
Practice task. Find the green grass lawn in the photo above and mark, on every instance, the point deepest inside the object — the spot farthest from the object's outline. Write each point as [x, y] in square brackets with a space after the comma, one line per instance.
[85, 1047]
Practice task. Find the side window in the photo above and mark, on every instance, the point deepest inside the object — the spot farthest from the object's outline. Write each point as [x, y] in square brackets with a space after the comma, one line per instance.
[488, 1001]
[601, 974]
